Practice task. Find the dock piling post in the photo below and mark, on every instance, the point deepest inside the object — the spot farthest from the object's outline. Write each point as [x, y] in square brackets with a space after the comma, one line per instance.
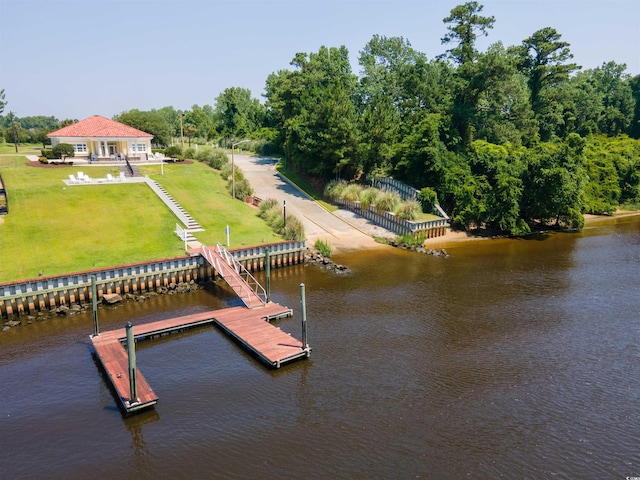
[94, 306]
[131, 353]
[267, 266]
[303, 309]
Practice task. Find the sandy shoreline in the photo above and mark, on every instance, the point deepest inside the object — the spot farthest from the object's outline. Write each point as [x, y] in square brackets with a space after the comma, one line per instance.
[355, 242]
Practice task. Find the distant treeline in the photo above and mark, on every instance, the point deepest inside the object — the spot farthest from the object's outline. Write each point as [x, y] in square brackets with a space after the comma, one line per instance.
[508, 138]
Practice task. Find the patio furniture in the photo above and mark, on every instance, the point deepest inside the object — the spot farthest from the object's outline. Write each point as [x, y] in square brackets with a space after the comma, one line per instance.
[121, 178]
[73, 180]
[109, 177]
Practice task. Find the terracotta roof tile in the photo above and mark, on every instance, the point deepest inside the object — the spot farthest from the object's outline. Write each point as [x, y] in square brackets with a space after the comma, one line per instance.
[98, 126]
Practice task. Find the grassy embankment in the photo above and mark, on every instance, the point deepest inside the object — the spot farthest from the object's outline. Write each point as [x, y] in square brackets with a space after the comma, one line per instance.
[305, 186]
[52, 228]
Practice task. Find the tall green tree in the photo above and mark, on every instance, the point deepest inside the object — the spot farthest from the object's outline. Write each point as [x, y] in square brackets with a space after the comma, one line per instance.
[634, 128]
[465, 24]
[152, 122]
[554, 183]
[384, 63]
[544, 60]
[472, 79]
[3, 103]
[238, 115]
[502, 169]
[316, 104]
[618, 103]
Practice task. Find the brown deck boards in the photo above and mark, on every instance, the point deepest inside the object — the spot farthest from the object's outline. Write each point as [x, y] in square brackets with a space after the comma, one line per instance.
[248, 326]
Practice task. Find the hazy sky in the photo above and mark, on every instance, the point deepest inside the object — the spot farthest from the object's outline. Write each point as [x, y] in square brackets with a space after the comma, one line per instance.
[76, 58]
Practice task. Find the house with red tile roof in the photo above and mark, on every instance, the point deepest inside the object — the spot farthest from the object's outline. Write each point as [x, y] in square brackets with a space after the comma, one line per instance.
[100, 138]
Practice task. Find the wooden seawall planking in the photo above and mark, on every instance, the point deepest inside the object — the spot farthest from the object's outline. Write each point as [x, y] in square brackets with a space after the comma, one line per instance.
[249, 327]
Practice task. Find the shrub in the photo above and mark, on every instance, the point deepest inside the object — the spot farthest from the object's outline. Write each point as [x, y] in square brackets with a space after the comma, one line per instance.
[333, 190]
[323, 247]
[271, 212]
[266, 205]
[174, 151]
[225, 171]
[218, 159]
[63, 150]
[387, 202]
[189, 153]
[243, 189]
[428, 198]
[409, 210]
[43, 160]
[411, 240]
[48, 153]
[294, 229]
[204, 155]
[242, 186]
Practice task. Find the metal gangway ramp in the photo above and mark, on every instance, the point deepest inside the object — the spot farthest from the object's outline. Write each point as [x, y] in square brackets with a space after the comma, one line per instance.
[237, 277]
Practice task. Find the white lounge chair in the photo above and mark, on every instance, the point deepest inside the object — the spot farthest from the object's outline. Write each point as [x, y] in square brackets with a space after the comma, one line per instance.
[121, 177]
[73, 180]
[109, 177]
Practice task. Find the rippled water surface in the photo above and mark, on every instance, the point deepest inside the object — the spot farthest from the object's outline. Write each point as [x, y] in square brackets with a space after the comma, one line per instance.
[511, 357]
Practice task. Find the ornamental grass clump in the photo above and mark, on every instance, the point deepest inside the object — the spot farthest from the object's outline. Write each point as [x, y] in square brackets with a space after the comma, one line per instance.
[387, 202]
[409, 210]
[333, 190]
[294, 229]
[266, 205]
[368, 197]
[351, 193]
[272, 213]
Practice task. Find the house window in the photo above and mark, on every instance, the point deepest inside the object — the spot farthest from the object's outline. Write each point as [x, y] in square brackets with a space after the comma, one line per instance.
[79, 147]
[138, 147]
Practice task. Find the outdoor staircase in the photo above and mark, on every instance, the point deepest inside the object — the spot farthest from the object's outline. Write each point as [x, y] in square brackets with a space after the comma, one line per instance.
[134, 172]
[191, 226]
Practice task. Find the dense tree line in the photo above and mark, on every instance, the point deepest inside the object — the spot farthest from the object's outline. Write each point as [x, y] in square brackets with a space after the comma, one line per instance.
[507, 137]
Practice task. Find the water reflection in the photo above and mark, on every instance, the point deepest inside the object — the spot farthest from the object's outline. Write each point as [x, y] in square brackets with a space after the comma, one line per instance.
[142, 458]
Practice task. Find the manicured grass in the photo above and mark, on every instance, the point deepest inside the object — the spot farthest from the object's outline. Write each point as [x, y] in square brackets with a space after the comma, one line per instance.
[53, 228]
[23, 148]
[203, 193]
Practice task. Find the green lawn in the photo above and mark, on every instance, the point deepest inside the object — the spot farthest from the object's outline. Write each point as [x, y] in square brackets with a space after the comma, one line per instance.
[23, 148]
[203, 193]
[53, 228]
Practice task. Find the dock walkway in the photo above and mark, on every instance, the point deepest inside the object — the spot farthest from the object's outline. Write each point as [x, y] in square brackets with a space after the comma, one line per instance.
[249, 327]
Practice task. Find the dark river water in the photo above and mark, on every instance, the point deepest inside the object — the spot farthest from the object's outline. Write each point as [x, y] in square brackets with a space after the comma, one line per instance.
[510, 358]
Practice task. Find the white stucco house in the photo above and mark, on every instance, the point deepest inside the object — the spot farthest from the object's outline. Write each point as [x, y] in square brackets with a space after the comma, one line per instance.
[100, 138]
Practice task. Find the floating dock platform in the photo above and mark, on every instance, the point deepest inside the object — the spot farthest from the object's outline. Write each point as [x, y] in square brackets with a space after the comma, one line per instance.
[249, 327]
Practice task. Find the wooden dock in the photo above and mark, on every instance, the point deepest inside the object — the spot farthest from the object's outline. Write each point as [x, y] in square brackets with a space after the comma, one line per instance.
[249, 327]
